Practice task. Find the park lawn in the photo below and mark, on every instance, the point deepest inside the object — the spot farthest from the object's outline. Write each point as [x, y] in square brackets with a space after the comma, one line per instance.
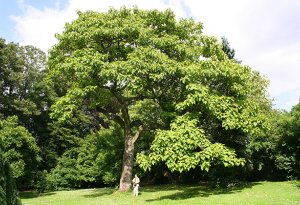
[260, 193]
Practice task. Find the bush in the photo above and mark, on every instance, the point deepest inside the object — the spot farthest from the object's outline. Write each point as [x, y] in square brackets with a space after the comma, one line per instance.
[96, 162]
[8, 192]
[20, 151]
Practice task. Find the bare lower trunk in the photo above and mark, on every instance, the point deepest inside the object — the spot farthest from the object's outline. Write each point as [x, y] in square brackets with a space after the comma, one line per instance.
[128, 155]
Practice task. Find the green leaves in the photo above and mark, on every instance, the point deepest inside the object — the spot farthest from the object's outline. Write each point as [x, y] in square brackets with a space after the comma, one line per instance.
[20, 150]
[22, 68]
[287, 131]
[98, 158]
[64, 107]
[8, 190]
[185, 146]
[226, 89]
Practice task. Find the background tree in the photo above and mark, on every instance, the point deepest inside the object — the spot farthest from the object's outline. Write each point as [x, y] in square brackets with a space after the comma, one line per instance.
[20, 151]
[287, 158]
[96, 161]
[23, 92]
[275, 155]
[65, 136]
[21, 70]
[230, 52]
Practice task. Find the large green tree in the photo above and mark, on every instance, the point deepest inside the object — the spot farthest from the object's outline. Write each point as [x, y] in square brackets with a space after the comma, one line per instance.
[144, 69]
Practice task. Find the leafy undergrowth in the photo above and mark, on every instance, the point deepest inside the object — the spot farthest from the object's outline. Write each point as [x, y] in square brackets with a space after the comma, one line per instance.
[260, 193]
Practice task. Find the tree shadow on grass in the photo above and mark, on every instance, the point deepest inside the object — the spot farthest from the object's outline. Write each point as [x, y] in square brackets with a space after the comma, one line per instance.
[99, 192]
[297, 184]
[33, 194]
[186, 192]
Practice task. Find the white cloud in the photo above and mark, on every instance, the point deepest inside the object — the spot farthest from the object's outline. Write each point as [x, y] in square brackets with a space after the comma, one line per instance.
[37, 27]
[264, 33]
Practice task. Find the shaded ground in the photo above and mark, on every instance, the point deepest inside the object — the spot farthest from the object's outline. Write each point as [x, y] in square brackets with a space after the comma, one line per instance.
[186, 192]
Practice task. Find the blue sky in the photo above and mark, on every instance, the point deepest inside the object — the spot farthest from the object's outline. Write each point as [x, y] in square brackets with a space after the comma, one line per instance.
[264, 33]
[9, 8]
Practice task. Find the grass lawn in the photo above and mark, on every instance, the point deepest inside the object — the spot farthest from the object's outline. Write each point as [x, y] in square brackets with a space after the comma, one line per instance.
[260, 193]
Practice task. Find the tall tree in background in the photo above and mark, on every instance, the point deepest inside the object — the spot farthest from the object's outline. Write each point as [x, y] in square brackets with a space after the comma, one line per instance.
[144, 69]
[24, 94]
[22, 90]
[21, 71]
[230, 52]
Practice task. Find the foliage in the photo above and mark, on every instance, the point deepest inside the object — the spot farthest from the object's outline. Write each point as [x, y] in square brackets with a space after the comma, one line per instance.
[185, 146]
[228, 100]
[147, 112]
[100, 157]
[20, 151]
[22, 69]
[96, 161]
[65, 174]
[287, 158]
[275, 155]
[65, 136]
[230, 52]
[23, 93]
[261, 152]
[8, 191]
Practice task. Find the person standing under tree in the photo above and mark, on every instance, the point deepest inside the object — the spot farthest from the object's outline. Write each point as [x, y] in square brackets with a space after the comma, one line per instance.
[135, 183]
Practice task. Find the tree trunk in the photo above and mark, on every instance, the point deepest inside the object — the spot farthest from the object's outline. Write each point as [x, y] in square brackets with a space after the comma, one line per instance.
[128, 156]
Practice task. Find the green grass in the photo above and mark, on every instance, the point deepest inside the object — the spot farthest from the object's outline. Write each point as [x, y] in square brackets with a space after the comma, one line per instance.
[260, 193]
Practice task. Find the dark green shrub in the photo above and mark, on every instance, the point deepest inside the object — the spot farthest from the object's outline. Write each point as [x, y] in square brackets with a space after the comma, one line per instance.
[8, 191]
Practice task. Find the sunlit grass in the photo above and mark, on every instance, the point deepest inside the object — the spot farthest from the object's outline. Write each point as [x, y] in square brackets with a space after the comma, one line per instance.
[261, 193]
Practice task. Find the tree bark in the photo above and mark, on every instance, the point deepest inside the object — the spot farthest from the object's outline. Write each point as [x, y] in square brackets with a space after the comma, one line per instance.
[128, 155]
[128, 158]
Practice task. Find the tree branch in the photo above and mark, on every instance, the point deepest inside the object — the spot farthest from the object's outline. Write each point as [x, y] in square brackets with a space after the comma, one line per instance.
[112, 116]
[137, 134]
